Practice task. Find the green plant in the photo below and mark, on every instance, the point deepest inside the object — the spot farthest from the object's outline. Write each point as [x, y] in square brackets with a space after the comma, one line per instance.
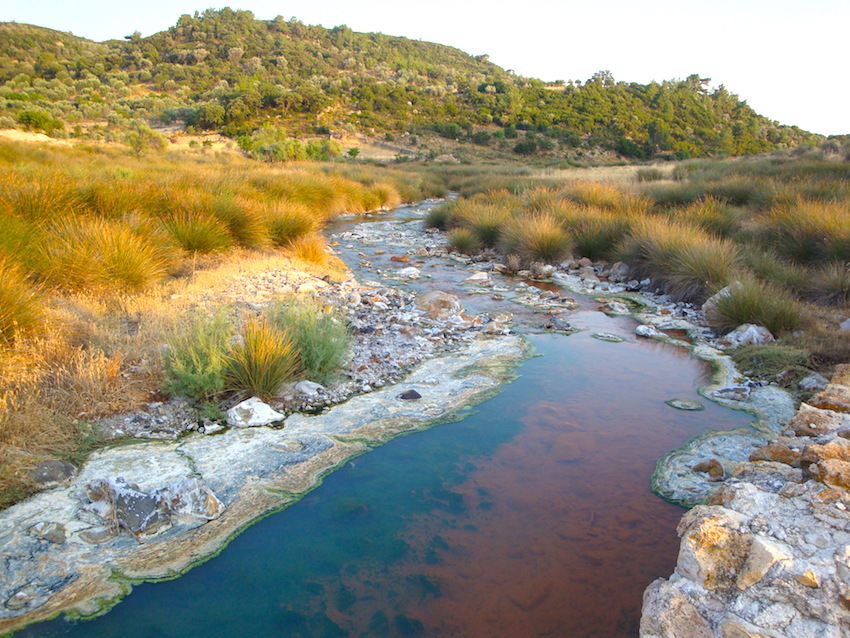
[756, 302]
[21, 312]
[321, 338]
[701, 269]
[264, 360]
[439, 216]
[198, 232]
[196, 357]
[288, 222]
[463, 240]
[831, 284]
[537, 238]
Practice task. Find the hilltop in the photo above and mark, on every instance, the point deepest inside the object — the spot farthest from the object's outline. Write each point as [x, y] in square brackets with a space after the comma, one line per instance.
[263, 82]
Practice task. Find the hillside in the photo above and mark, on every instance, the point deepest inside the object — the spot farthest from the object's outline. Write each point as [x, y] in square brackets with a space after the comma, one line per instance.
[226, 71]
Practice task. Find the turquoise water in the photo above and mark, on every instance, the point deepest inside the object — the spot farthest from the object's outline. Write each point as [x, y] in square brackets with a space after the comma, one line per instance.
[531, 517]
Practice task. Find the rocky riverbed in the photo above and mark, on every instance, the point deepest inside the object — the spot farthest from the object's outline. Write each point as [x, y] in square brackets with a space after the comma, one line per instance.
[433, 334]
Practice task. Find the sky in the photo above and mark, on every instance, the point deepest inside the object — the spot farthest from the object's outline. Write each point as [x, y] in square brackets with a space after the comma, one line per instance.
[786, 58]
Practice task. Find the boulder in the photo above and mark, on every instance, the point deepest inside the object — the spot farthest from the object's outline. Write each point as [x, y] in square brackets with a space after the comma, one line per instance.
[764, 554]
[408, 273]
[649, 331]
[619, 272]
[667, 613]
[479, 276]
[252, 413]
[776, 451]
[709, 308]
[810, 421]
[748, 334]
[52, 532]
[439, 305]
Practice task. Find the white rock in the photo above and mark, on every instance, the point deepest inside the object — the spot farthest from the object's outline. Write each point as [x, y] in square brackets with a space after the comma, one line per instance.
[763, 555]
[213, 428]
[309, 388]
[845, 325]
[649, 331]
[479, 276]
[252, 413]
[408, 273]
[748, 335]
[814, 383]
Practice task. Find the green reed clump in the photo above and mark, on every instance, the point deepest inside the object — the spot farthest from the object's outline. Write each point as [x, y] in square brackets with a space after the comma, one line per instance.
[756, 302]
[266, 358]
[768, 265]
[439, 217]
[483, 219]
[712, 215]
[830, 284]
[322, 338]
[463, 240]
[196, 357]
[287, 222]
[808, 231]
[244, 221]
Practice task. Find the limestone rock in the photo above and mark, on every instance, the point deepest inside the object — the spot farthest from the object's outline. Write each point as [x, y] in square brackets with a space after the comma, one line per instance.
[813, 383]
[748, 335]
[649, 331]
[709, 308]
[479, 276]
[667, 613]
[408, 273]
[309, 388]
[837, 448]
[831, 472]
[776, 451]
[53, 532]
[763, 555]
[437, 304]
[615, 308]
[52, 471]
[252, 413]
[189, 497]
[834, 397]
[811, 421]
[713, 468]
[126, 505]
[712, 551]
[619, 272]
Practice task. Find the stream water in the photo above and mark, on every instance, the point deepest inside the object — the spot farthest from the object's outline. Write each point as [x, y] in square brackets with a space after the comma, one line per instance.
[533, 516]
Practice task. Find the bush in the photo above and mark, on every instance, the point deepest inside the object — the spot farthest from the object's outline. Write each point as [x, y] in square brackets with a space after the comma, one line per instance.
[321, 338]
[760, 303]
[198, 233]
[831, 284]
[196, 358]
[537, 238]
[289, 222]
[20, 309]
[463, 240]
[265, 359]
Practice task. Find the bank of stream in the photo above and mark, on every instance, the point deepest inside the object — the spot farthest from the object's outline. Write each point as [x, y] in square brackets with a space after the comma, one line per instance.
[532, 516]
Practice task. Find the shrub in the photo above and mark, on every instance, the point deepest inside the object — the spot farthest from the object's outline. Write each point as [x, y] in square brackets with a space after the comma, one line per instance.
[463, 240]
[20, 308]
[322, 339]
[439, 216]
[310, 248]
[265, 359]
[831, 284]
[83, 253]
[537, 238]
[288, 222]
[196, 357]
[757, 302]
[198, 233]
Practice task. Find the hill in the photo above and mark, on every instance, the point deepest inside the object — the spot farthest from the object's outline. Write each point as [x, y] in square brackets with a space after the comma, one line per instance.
[223, 70]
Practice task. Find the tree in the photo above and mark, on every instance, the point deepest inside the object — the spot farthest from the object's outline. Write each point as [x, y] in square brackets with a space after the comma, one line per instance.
[143, 138]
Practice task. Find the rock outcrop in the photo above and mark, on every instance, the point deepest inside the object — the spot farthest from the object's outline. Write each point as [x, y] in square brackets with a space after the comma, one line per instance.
[769, 556]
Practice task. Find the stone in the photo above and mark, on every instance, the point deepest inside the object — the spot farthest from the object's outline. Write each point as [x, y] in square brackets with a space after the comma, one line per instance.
[813, 383]
[615, 308]
[127, 506]
[556, 323]
[712, 467]
[844, 325]
[408, 273]
[841, 375]
[52, 532]
[309, 388]
[712, 550]
[667, 613]
[437, 304]
[837, 448]
[20, 599]
[98, 535]
[479, 276]
[778, 452]
[685, 404]
[649, 331]
[811, 421]
[52, 471]
[607, 336]
[732, 393]
[619, 272]
[709, 308]
[189, 497]
[808, 579]
[748, 334]
[834, 397]
[213, 427]
[764, 554]
[831, 472]
[253, 413]
[399, 258]
[410, 395]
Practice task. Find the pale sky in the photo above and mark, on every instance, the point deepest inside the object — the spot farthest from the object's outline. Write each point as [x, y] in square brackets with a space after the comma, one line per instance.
[786, 58]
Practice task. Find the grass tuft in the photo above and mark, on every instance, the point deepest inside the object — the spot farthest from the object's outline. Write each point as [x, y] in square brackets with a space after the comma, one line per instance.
[463, 240]
[265, 359]
[21, 311]
[760, 303]
[538, 238]
[196, 358]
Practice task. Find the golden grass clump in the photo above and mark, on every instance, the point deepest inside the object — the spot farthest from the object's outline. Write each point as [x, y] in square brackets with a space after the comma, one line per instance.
[287, 222]
[265, 359]
[808, 231]
[757, 302]
[539, 238]
[311, 248]
[21, 311]
[463, 240]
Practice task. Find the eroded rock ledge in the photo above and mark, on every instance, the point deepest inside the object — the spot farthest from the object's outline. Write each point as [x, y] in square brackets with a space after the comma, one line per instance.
[769, 556]
[179, 502]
